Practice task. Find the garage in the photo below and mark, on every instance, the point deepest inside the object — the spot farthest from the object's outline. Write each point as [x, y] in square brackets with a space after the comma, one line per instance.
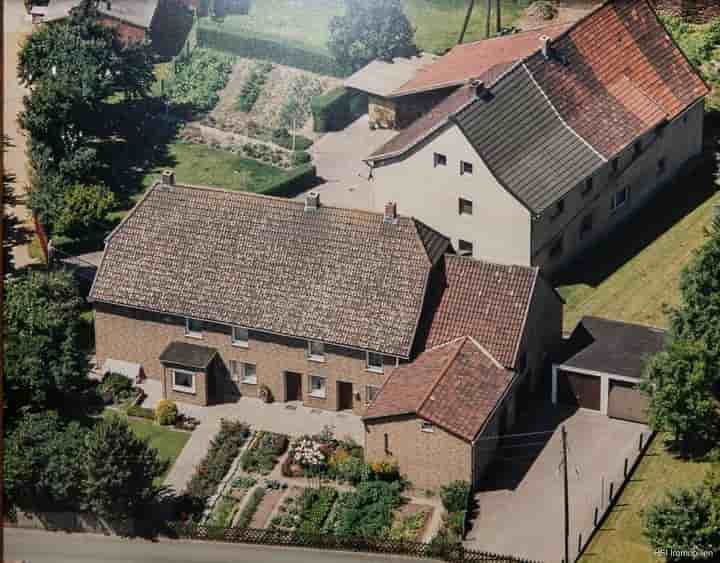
[601, 366]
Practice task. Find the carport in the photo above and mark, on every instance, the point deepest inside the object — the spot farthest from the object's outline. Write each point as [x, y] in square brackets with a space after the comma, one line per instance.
[602, 365]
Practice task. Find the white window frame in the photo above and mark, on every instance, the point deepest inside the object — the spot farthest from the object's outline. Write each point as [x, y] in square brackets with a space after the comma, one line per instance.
[463, 172]
[368, 400]
[240, 343]
[320, 393]
[426, 426]
[315, 357]
[243, 374]
[614, 205]
[192, 333]
[184, 388]
[374, 369]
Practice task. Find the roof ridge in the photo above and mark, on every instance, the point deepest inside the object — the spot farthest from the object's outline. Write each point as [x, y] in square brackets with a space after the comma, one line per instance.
[512, 35]
[486, 352]
[441, 375]
[489, 262]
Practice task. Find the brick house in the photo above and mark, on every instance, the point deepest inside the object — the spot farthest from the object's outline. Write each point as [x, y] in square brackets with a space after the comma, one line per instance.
[543, 156]
[131, 18]
[486, 342]
[218, 294]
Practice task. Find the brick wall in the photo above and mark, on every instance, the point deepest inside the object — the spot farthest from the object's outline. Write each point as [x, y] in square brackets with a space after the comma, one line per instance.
[140, 337]
[699, 11]
[427, 459]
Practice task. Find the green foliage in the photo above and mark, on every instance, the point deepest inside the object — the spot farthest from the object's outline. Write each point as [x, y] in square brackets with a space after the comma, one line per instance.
[680, 383]
[284, 138]
[84, 210]
[315, 507]
[250, 508]
[369, 30]
[409, 528]
[140, 412]
[198, 79]
[455, 496]
[336, 109]
[251, 45]
[121, 469]
[296, 109]
[43, 463]
[223, 512]
[261, 458]
[697, 41]
[244, 482]
[44, 362]
[116, 388]
[223, 449]
[253, 87]
[166, 412]
[367, 512]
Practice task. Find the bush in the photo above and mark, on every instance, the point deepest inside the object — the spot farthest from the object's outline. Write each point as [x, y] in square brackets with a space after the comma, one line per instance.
[84, 209]
[251, 507]
[697, 41]
[301, 157]
[316, 505]
[336, 109]
[281, 136]
[385, 470]
[252, 46]
[253, 87]
[166, 412]
[140, 412]
[198, 79]
[295, 181]
[115, 388]
[455, 496]
[367, 512]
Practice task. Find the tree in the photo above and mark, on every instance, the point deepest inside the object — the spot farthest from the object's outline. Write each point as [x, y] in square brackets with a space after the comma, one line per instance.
[120, 471]
[43, 463]
[85, 209]
[679, 382]
[43, 359]
[369, 30]
[698, 317]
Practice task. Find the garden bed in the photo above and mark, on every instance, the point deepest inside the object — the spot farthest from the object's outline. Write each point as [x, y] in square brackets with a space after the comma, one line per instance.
[305, 510]
[263, 453]
[265, 509]
[411, 522]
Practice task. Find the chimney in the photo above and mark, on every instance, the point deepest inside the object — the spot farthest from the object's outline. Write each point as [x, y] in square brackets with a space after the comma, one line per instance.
[312, 201]
[479, 86]
[167, 178]
[545, 46]
[390, 212]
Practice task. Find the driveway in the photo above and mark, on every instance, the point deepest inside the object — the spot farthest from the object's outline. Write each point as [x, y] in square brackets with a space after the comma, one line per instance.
[520, 507]
[338, 157]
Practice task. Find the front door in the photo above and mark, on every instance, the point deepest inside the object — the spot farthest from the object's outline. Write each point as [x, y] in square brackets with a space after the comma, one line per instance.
[293, 386]
[345, 395]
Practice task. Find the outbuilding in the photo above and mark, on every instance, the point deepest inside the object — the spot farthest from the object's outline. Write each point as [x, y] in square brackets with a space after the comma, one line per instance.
[602, 365]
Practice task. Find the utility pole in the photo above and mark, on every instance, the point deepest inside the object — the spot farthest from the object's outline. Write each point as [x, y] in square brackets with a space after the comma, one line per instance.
[565, 494]
[497, 17]
[487, 18]
[471, 4]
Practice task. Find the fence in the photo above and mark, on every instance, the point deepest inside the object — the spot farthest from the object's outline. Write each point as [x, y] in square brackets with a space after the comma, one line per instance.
[584, 526]
[446, 551]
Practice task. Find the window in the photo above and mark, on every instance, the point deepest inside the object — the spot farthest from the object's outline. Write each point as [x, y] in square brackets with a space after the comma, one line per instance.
[557, 248]
[240, 337]
[615, 164]
[464, 206]
[586, 225]
[559, 208]
[637, 149]
[248, 374]
[316, 351]
[371, 391]
[587, 188]
[317, 387]
[193, 328]
[183, 381]
[661, 165]
[426, 426]
[465, 248]
[375, 362]
[619, 199]
[439, 159]
[466, 167]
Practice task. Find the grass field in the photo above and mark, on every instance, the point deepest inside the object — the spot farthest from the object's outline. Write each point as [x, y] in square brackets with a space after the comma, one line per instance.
[620, 537]
[304, 23]
[635, 273]
[169, 443]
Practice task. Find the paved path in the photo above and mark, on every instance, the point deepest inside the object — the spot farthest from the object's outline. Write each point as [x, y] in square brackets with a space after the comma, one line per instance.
[36, 546]
[16, 27]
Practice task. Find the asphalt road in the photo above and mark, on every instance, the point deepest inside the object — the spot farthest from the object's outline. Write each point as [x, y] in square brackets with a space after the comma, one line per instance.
[36, 546]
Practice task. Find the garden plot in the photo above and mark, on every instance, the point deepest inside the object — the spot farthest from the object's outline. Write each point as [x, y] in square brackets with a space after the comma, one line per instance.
[411, 522]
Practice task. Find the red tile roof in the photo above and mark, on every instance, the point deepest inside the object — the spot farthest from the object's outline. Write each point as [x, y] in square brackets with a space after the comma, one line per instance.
[486, 301]
[455, 386]
[471, 60]
[619, 67]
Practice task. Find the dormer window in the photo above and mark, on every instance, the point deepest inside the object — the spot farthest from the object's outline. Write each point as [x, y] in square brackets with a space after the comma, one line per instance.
[316, 351]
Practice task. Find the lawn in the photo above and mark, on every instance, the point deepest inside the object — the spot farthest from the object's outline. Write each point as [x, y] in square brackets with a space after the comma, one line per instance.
[620, 537]
[304, 23]
[632, 275]
[169, 443]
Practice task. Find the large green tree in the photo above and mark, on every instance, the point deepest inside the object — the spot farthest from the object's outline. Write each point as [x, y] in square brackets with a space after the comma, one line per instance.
[44, 363]
[680, 382]
[369, 30]
[120, 471]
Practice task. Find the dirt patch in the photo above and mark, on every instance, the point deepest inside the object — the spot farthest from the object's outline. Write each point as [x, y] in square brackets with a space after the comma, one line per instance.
[262, 515]
[566, 11]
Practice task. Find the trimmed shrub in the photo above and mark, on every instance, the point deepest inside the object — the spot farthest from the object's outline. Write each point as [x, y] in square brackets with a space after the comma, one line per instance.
[336, 109]
[455, 496]
[166, 412]
[296, 181]
[254, 46]
[140, 412]
[115, 388]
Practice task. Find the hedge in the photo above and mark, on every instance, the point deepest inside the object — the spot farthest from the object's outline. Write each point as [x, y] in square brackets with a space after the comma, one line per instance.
[336, 109]
[297, 180]
[252, 46]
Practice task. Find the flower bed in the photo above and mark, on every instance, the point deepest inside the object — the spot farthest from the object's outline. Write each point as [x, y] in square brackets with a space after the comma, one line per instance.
[411, 522]
[264, 453]
[324, 456]
[305, 512]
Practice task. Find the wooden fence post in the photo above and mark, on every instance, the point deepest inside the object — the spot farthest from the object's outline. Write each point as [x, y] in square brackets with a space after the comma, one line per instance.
[579, 542]
[595, 518]
[625, 469]
[641, 442]
[611, 492]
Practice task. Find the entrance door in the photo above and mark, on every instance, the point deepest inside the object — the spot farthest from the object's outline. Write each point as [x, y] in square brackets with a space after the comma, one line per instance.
[293, 386]
[345, 395]
[579, 389]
